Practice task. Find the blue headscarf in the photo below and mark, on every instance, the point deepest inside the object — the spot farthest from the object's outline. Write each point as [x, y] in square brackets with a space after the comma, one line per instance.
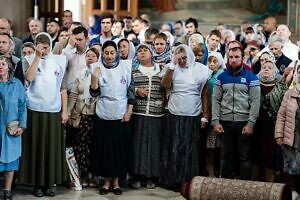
[116, 60]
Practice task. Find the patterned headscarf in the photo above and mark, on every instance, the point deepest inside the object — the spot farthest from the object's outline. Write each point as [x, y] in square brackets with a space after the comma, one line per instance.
[163, 57]
[135, 61]
[273, 76]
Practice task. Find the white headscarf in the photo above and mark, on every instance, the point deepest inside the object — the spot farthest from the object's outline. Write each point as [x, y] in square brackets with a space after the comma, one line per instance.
[50, 42]
[189, 53]
[219, 57]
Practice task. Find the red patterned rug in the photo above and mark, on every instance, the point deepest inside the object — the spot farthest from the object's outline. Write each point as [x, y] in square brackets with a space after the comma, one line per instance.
[205, 188]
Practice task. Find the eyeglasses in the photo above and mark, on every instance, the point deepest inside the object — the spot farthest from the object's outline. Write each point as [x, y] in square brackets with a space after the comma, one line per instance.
[148, 42]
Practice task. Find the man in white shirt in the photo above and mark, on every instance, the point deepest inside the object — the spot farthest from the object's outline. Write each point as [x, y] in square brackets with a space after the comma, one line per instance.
[75, 56]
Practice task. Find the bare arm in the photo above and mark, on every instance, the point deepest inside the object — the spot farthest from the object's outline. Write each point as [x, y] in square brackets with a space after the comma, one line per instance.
[64, 104]
[72, 98]
[94, 79]
[166, 81]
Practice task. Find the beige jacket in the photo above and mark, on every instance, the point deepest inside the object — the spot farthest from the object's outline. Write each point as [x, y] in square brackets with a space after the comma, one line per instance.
[285, 123]
[76, 101]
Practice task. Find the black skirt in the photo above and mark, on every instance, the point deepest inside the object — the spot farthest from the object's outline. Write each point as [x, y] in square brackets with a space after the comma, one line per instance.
[111, 148]
[146, 144]
[180, 149]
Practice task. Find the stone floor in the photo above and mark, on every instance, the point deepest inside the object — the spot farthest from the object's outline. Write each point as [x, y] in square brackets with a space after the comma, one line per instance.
[24, 193]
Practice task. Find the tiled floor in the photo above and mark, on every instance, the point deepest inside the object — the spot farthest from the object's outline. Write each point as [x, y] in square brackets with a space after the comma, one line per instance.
[24, 193]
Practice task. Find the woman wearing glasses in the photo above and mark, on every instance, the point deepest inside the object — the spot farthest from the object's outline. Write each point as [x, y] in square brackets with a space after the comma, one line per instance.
[188, 102]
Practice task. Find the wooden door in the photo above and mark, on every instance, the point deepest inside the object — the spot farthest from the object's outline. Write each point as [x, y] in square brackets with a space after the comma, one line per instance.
[119, 8]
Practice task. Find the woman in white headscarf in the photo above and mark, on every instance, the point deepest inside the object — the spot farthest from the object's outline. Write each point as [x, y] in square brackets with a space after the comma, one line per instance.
[287, 130]
[43, 163]
[188, 102]
[216, 64]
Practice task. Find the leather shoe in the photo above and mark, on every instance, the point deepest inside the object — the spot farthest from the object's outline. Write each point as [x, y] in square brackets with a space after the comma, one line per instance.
[38, 192]
[7, 195]
[103, 191]
[50, 191]
[117, 191]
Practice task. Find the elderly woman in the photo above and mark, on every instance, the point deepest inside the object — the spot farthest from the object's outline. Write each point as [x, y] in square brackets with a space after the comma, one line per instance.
[148, 116]
[112, 84]
[12, 123]
[82, 106]
[188, 102]
[259, 61]
[264, 145]
[287, 130]
[44, 163]
[216, 65]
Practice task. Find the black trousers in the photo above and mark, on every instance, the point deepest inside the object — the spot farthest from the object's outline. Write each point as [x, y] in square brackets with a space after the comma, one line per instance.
[235, 145]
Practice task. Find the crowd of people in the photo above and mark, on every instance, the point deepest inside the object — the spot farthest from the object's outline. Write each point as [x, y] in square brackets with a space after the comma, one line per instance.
[149, 106]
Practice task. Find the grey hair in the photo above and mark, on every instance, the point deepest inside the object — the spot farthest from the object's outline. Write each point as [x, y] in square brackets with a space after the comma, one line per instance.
[274, 38]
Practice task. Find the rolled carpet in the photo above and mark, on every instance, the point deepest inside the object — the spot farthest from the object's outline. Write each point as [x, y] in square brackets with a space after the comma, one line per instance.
[206, 188]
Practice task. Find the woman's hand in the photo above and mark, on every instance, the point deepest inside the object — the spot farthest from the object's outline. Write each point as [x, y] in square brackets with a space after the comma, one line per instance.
[175, 59]
[64, 117]
[279, 141]
[127, 116]
[96, 72]
[19, 131]
[141, 92]
[38, 51]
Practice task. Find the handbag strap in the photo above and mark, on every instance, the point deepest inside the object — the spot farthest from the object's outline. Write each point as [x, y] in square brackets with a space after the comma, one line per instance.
[82, 108]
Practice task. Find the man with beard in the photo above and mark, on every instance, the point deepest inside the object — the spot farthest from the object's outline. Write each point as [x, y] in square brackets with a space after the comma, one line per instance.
[7, 48]
[53, 30]
[235, 107]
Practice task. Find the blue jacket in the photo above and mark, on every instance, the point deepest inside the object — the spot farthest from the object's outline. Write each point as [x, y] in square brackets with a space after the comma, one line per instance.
[236, 97]
[12, 107]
